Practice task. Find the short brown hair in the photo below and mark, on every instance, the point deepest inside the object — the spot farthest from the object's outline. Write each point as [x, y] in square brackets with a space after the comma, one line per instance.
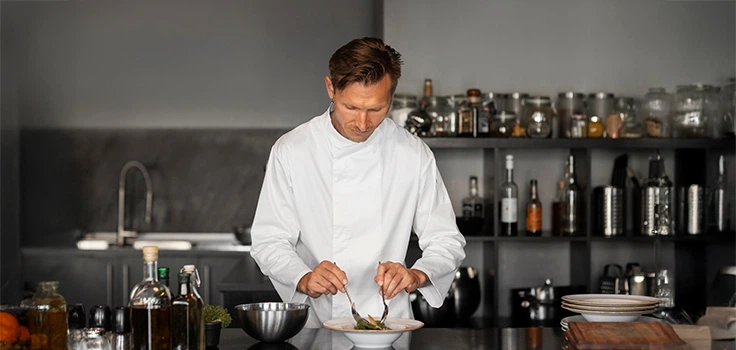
[364, 61]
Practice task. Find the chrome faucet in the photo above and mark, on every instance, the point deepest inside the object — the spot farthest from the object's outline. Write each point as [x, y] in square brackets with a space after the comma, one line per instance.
[121, 232]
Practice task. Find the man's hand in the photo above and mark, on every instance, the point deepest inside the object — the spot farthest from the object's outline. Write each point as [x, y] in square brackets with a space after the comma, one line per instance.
[393, 277]
[325, 278]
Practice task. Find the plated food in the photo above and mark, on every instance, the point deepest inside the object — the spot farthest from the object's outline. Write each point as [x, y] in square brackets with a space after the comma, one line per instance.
[362, 325]
[373, 338]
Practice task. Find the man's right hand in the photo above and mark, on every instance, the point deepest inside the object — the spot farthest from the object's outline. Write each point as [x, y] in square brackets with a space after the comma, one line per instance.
[325, 278]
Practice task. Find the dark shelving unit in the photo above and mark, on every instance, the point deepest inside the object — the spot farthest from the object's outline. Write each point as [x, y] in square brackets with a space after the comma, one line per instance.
[694, 163]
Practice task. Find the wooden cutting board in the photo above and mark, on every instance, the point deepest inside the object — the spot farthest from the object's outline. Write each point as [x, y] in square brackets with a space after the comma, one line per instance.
[621, 335]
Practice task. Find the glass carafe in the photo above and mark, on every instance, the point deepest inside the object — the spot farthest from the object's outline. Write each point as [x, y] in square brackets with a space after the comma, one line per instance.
[150, 302]
[47, 318]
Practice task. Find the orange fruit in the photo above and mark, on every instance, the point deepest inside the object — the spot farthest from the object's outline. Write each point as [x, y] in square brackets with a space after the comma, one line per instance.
[23, 333]
[8, 328]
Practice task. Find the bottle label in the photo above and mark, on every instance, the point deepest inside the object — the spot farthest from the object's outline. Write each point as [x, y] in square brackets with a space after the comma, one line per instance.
[467, 210]
[472, 210]
[478, 212]
[508, 210]
[534, 219]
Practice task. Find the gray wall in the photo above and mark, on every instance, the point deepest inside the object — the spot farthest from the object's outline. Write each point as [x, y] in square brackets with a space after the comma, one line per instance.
[178, 63]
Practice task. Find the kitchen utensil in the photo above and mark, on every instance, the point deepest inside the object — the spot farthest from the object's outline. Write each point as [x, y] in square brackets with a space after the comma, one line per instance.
[608, 210]
[443, 317]
[656, 201]
[634, 335]
[618, 178]
[612, 280]
[465, 291]
[385, 307]
[694, 210]
[355, 313]
[537, 305]
[272, 322]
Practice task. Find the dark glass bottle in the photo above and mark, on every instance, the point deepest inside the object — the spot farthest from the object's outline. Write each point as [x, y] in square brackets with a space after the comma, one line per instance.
[509, 206]
[187, 316]
[534, 212]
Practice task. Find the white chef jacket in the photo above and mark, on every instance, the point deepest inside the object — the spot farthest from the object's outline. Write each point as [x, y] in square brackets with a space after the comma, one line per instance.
[325, 197]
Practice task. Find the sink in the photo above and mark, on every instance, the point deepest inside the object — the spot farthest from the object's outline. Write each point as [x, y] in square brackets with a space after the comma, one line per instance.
[165, 241]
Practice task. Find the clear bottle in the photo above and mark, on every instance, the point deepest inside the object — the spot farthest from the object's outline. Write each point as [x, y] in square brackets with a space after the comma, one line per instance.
[631, 127]
[538, 112]
[47, 318]
[557, 211]
[657, 112]
[122, 337]
[473, 203]
[533, 212]
[187, 316]
[150, 303]
[509, 207]
[571, 202]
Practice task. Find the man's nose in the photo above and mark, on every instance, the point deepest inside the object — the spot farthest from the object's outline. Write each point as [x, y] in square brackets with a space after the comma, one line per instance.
[362, 121]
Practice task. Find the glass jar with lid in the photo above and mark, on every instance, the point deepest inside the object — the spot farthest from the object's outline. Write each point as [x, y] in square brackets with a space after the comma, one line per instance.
[538, 116]
[438, 110]
[400, 108]
[631, 128]
[600, 105]
[694, 107]
[503, 124]
[657, 109]
[571, 112]
[514, 104]
[454, 103]
[494, 102]
[728, 107]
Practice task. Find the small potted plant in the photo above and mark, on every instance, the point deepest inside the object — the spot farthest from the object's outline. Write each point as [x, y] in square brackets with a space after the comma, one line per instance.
[215, 319]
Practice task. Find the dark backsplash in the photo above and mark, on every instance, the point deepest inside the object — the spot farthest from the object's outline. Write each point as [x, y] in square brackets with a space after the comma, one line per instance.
[203, 180]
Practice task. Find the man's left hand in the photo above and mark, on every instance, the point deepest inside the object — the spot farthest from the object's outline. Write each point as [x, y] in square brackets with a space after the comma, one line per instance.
[393, 277]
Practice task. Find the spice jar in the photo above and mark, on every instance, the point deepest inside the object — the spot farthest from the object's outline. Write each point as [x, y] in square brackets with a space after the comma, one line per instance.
[728, 104]
[657, 109]
[503, 124]
[493, 102]
[454, 103]
[631, 128]
[400, 108]
[538, 114]
[595, 127]
[694, 107]
[47, 318]
[514, 104]
[571, 106]
[437, 110]
[601, 105]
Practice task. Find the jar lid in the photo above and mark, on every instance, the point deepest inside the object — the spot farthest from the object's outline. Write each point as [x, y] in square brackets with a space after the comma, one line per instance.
[474, 92]
[518, 95]
[601, 95]
[571, 95]
[504, 116]
[537, 100]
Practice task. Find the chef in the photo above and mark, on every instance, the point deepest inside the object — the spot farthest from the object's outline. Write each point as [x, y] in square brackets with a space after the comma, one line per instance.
[343, 192]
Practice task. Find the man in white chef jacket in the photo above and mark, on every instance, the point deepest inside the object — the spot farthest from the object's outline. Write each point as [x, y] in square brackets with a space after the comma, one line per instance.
[344, 190]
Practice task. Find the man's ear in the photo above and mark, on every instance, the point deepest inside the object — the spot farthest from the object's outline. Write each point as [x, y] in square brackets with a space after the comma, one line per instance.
[330, 88]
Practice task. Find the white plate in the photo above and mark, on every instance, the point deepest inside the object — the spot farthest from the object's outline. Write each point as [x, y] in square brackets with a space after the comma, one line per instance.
[610, 312]
[607, 308]
[610, 299]
[565, 322]
[373, 338]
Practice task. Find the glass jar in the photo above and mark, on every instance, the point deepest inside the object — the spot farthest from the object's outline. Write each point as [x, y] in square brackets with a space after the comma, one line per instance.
[595, 127]
[503, 124]
[728, 107]
[601, 105]
[454, 103]
[400, 108]
[538, 115]
[631, 128]
[438, 110]
[571, 104]
[494, 102]
[657, 110]
[514, 104]
[47, 318]
[694, 107]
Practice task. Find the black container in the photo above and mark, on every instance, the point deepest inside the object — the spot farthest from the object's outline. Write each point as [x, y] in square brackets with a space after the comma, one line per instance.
[441, 317]
[100, 317]
[465, 291]
[212, 333]
[529, 311]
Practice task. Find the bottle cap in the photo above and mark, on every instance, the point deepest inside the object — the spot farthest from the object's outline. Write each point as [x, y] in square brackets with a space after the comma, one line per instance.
[150, 253]
[184, 277]
[99, 317]
[121, 320]
[76, 317]
[509, 162]
[163, 272]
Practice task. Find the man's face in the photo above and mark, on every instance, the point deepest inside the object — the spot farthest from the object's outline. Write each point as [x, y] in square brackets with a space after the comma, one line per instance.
[359, 109]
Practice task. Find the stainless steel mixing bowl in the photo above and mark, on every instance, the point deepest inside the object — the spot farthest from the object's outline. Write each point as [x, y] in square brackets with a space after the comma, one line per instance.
[272, 322]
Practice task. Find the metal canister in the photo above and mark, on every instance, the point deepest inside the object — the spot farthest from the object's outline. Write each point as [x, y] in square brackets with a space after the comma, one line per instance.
[609, 210]
[656, 201]
[695, 209]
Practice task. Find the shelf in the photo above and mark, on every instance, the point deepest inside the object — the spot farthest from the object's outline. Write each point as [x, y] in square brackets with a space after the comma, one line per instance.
[643, 143]
[704, 238]
[525, 239]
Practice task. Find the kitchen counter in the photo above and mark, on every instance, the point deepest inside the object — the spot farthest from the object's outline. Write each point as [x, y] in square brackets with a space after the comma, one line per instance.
[424, 338]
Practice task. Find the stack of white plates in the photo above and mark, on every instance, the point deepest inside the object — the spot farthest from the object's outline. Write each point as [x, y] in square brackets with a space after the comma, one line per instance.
[565, 322]
[609, 307]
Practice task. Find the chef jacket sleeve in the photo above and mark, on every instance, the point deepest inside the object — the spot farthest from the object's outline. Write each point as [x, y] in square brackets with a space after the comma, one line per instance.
[439, 238]
[275, 229]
